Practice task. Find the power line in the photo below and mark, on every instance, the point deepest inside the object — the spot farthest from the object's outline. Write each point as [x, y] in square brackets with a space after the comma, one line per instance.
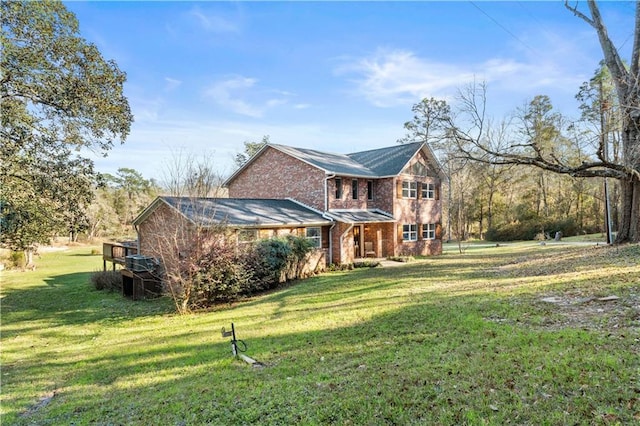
[505, 29]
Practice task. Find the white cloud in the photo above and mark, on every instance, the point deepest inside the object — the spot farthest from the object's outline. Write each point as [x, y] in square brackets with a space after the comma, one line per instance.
[213, 23]
[171, 83]
[227, 93]
[145, 109]
[243, 95]
[391, 78]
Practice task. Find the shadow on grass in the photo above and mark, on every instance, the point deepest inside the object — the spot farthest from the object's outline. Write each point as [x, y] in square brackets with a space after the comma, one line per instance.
[432, 358]
[432, 362]
[71, 299]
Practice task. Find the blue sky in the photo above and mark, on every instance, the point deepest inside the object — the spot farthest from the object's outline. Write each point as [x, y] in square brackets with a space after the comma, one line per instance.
[203, 77]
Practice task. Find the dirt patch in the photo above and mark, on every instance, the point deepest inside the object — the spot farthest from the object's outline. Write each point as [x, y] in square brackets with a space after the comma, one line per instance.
[42, 402]
[609, 312]
[555, 311]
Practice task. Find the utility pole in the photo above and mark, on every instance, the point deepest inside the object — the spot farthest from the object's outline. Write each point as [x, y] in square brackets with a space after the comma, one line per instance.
[604, 144]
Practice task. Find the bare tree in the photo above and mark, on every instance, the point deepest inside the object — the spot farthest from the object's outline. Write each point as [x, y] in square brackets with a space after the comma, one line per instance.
[189, 175]
[470, 133]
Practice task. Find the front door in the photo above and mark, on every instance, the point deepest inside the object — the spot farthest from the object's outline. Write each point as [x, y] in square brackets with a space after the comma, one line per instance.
[356, 241]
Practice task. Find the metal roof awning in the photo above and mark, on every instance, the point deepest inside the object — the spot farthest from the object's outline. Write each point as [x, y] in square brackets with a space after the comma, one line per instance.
[360, 216]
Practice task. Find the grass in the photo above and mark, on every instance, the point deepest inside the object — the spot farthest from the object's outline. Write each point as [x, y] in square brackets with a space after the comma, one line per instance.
[456, 339]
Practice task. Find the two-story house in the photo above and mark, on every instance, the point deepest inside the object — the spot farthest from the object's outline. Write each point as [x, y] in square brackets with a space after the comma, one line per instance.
[378, 203]
[382, 202]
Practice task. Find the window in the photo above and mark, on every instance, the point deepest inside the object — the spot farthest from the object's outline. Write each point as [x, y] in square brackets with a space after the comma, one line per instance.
[338, 188]
[409, 189]
[428, 191]
[354, 189]
[410, 232]
[429, 231]
[369, 190]
[315, 236]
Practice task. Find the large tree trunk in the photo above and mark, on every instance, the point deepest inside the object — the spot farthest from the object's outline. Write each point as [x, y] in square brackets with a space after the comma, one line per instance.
[629, 230]
[28, 259]
[626, 81]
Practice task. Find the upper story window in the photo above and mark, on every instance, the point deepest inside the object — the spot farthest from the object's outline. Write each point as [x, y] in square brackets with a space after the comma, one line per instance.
[354, 189]
[429, 231]
[314, 234]
[338, 188]
[410, 232]
[409, 189]
[428, 191]
[369, 190]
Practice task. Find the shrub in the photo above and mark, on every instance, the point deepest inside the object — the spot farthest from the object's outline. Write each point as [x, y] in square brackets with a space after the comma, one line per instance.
[107, 280]
[268, 259]
[341, 267]
[221, 276]
[403, 259]
[275, 260]
[532, 229]
[366, 264]
[17, 260]
[217, 270]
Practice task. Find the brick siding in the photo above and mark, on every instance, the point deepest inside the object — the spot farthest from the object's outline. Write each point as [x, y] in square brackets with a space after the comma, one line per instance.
[279, 176]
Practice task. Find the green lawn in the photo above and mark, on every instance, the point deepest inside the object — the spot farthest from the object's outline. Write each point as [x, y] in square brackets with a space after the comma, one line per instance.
[512, 334]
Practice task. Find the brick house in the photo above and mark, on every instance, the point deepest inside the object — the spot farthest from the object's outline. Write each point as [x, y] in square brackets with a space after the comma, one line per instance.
[167, 227]
[380, 203]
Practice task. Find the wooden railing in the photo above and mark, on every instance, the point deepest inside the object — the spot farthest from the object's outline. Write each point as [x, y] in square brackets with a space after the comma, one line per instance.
[116, 253]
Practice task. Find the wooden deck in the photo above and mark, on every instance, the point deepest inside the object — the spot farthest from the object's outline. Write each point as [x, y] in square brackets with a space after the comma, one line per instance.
[116, 253]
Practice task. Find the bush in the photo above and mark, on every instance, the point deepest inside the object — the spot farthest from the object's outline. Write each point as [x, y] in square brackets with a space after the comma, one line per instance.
[107, 280]
[215, 269]
[17, 260]
[341, 267]
[366, 264]
[268, 259]
[275, 260]
[403, 259]
[220, 276]
[532, 229]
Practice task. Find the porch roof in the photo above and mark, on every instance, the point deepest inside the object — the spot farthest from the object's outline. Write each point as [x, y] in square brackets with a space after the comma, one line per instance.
[360, 216]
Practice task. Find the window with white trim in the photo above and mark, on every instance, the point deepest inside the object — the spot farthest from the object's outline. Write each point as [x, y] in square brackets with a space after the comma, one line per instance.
[409, 189]
[428, 191]
[410, 232]
[428, 231]
[314, 234]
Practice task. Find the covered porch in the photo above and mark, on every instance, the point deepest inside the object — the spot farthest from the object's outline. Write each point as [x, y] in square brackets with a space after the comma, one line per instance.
[362, 234]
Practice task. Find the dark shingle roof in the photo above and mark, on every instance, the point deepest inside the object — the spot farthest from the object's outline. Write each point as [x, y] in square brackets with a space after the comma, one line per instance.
[375, 163]
[387, 161]
[332, 163]
[245, 212]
